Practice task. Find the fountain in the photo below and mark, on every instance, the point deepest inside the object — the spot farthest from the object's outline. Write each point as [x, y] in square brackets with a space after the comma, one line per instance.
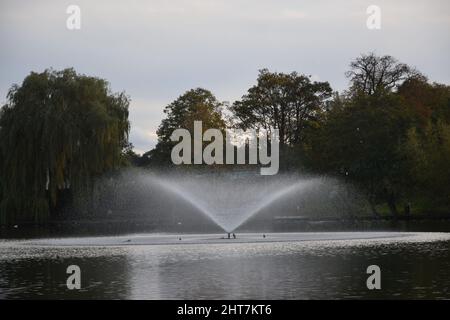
[180, 201]
[229, 200]
[232, 200]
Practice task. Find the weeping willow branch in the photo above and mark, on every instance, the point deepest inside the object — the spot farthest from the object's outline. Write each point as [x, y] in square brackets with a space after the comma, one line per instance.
[58, 131]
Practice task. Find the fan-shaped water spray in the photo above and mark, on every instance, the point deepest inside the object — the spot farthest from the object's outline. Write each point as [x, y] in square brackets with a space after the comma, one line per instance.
[231, 200]
[180, 201]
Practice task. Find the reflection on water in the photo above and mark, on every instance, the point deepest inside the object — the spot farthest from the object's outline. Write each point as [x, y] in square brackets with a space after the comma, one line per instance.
[287, 270]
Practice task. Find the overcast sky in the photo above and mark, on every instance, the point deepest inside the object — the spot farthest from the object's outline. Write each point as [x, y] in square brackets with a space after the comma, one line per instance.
[156, 50]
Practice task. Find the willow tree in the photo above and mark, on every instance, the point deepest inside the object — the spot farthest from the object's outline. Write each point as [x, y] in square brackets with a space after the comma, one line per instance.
[58, 131]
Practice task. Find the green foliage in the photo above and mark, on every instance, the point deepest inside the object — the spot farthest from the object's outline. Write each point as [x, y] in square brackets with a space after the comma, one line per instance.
[428, 154]
[360, 141]
[57, 131]
[290, 103]
[389, 136]
[427, 149]
[194, 105]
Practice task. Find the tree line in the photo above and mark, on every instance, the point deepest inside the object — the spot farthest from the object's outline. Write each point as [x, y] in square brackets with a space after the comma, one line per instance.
[388, 134]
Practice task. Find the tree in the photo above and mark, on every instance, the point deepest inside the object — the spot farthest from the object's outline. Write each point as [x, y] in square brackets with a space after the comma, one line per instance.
[359, 142]
[58, 131]
[371, 74]
[429, 102]
[287, 102]
[194, 105]
[428, 154]
[427, 149]
[363, 135]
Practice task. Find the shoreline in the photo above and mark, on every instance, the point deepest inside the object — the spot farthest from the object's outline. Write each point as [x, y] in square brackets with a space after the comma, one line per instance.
[100, 221]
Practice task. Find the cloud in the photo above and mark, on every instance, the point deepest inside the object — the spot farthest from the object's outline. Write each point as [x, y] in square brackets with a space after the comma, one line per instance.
[156, 50]
[143, 139]
[145, 117]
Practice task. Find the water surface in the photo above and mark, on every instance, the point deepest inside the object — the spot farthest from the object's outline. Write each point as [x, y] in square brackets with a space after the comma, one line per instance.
[325, 269]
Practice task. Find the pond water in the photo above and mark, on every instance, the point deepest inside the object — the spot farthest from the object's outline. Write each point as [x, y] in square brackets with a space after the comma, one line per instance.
[279, 266]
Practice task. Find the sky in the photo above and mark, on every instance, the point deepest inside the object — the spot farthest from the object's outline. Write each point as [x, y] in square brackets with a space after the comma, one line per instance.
[155, 50]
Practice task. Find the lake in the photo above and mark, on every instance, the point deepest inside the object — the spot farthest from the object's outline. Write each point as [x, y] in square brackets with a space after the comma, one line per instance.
[279, 266]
